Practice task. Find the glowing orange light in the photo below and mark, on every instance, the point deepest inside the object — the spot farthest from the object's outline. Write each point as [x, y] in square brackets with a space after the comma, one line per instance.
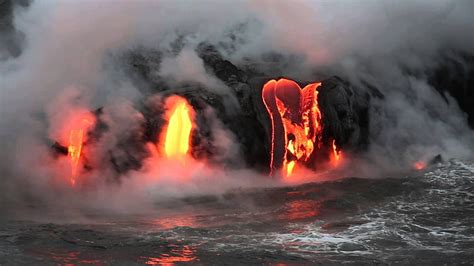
[300, 210]
[336, 154]
[76, 140]
[178, 130]
[289, 168]
[177, 254]
[296, 122]
[419, 165]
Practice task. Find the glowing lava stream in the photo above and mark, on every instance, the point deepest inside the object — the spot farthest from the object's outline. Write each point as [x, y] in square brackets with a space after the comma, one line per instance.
[337, 156]
[296, 123]
[76, 140]
[178, 130]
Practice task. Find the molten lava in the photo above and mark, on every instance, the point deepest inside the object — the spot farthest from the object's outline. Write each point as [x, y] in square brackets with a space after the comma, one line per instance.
[296, 123]
[178, 130]
[76, 140]
[336, 154]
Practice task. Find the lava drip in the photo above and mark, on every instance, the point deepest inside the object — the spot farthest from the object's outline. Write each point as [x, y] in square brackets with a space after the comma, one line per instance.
[178, 130]
[296, 123]
[77, 137]
[336, 154]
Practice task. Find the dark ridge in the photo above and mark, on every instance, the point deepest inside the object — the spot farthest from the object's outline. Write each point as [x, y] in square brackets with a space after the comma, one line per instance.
[455, 75]
[345, 114]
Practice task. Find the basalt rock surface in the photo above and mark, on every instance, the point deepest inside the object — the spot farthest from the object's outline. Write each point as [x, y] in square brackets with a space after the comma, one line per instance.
[345, 114]
[455, 75]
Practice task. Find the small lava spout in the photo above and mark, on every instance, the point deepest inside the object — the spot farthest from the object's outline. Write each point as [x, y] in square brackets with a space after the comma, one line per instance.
[178, 130]
[76, 140]
[336, 154]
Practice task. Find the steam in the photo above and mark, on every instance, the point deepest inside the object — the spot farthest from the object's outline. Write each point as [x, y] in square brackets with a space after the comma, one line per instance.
[187, 66]
[64, 66]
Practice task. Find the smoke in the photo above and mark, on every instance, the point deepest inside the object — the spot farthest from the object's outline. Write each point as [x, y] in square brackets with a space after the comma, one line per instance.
[64, 67]
[187, 67]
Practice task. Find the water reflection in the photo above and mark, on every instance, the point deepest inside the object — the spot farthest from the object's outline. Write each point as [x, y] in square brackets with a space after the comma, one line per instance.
[184, 253]
[176, 221]
[300, 210]
[66, 257]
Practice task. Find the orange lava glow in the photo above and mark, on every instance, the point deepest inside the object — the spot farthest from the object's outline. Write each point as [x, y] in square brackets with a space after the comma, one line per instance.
[419, 165]
[296, 123]
[178, 130]
[336, 154]
[300, 209]
[76, 141]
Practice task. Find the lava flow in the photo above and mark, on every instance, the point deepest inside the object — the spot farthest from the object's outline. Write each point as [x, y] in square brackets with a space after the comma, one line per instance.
[76, 140]
[336, 154]
[178, 130]
[296, 123]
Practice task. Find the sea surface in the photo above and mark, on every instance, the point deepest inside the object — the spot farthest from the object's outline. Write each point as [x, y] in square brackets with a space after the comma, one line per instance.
[423, 218]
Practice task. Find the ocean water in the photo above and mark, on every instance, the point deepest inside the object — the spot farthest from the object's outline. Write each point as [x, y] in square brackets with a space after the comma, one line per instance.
[424, 218]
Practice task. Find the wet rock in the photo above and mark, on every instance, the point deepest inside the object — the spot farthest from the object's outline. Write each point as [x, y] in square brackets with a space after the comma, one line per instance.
[345, 114]
[454, 74]
[436, 160]
[59, 149]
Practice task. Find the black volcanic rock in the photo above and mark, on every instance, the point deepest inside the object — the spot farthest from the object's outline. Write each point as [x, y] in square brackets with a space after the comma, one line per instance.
[455, 75]
[345, 114]
[244, 123]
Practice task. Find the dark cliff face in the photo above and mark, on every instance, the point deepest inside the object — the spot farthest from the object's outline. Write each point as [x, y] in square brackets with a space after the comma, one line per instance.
[11, 40]
[345, 114]
[454, 75]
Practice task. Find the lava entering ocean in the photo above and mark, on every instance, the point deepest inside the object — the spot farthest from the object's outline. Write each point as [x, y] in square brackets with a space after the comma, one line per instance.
[296, 125]
[77, 137]
[178, 130]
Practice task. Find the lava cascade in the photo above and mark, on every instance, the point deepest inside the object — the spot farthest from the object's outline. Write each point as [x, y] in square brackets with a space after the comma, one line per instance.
[296, 123]
[75, 146]
[179, 127]
[336, 154]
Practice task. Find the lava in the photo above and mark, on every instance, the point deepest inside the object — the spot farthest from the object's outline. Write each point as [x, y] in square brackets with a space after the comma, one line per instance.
[179, 127]
[76, 141]
[296, 123]
[336, 154]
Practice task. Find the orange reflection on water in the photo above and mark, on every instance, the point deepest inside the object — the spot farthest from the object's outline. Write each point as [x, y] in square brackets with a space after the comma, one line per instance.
[300, 209]
[67, 258]
[175, 221]
[184, 253]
